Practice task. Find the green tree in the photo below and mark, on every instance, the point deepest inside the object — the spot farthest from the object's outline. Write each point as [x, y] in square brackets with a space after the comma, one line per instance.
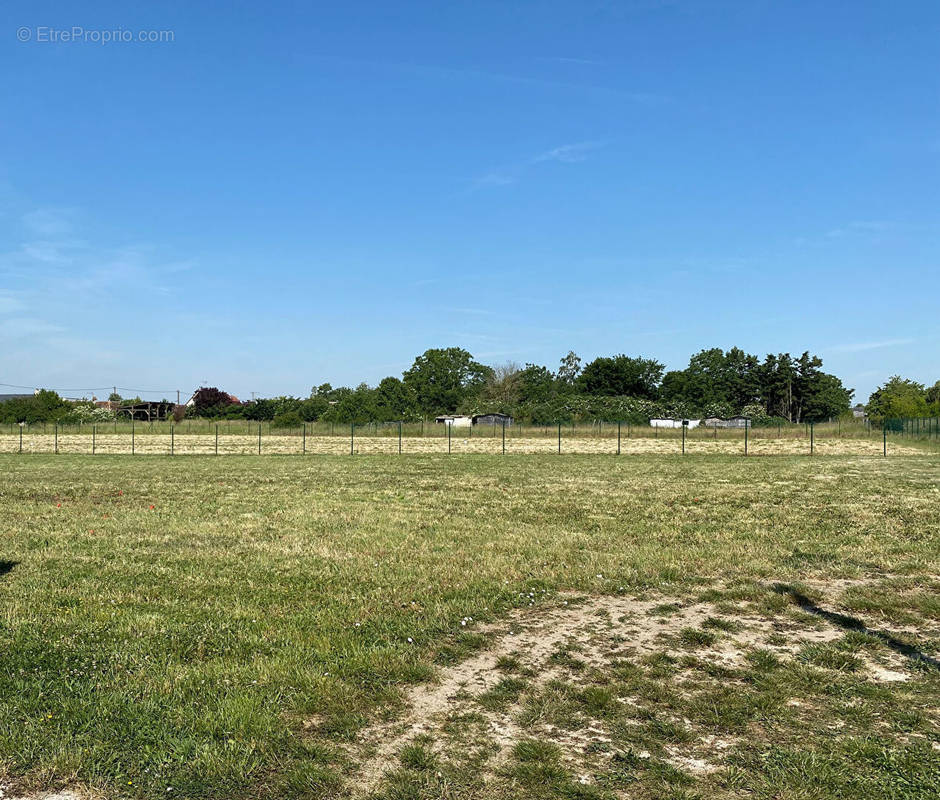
[537, 384]
[899, 397]
[933, 399]
[825, 398]
[569, 369]
[43, 406]
[442, 378]
[394, 400]
[715, 379]
[778, 385]
[622, 375]
[501, 390]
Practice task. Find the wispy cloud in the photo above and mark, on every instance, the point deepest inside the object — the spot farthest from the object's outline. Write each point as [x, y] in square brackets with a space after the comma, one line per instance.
[62, 294]
[860, 347]
[572, 60]
[861, 226]
[494, 178]
[568, 153]
[574, 153]
[477, 312]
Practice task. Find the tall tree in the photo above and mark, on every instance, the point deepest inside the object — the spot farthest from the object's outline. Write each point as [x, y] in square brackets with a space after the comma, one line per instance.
[394, 400]
[622, 375]
[777, 379]
[933, 398]
[500, 391]
[899, 397]
[537, 384]
[443, 378]
[569, 369]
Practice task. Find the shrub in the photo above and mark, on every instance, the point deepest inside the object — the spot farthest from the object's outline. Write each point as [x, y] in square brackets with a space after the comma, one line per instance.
[287, 419]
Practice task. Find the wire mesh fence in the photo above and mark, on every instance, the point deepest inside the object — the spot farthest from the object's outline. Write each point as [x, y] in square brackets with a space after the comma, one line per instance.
[241, 437]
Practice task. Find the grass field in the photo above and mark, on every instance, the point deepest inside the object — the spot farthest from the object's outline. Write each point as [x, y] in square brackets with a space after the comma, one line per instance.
[491, 627]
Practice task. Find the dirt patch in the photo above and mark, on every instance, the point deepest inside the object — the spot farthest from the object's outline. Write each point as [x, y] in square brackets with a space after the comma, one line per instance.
[594, 633]
[65, 794]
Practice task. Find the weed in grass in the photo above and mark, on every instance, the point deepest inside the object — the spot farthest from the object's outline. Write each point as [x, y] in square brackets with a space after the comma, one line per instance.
[721, 624]
[830, 656]
[694, 637]
[664, 610]
[598, 701]
[502, 695]
[762, 660]
[418, 757]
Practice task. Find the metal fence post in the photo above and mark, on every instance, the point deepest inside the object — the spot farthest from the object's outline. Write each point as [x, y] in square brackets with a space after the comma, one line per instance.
[504, 437]
[812, 438]
[559, 438]
[448, 436]
[57, 438]
[259, 438]
[21, 438]
[684, 426]
[172, 438]
[399, 437]
[132, 436]
[884, 436]
[352, 436]
[618, 438]
[217, 438]
[304, 446]
[746, 426]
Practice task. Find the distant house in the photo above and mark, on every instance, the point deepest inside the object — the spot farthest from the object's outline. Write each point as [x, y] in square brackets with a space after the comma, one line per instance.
[454, 420]
[860, 412]
[727, 422]
[674, 423]
[494, 418]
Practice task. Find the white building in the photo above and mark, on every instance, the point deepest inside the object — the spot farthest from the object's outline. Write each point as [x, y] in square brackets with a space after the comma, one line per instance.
[455, 420]
[674, 423]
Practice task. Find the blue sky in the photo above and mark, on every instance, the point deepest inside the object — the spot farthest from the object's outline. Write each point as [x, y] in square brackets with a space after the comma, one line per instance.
[293, 193]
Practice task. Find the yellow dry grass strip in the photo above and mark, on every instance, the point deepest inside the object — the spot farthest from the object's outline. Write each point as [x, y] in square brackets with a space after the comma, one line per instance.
[236, 444]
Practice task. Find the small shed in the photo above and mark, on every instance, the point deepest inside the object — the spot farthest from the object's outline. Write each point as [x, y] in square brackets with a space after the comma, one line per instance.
[674, 423]
[738, 421]
[493, 418]
[454, 420]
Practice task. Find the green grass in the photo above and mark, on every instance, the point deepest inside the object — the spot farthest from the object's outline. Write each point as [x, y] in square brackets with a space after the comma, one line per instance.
[222, 628]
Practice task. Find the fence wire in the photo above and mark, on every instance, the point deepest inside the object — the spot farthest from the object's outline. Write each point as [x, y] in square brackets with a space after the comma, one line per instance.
[238, 437]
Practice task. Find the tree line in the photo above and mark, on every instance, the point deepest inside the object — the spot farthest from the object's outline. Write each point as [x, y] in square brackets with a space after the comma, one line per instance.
[777, 387]
[619, 387]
